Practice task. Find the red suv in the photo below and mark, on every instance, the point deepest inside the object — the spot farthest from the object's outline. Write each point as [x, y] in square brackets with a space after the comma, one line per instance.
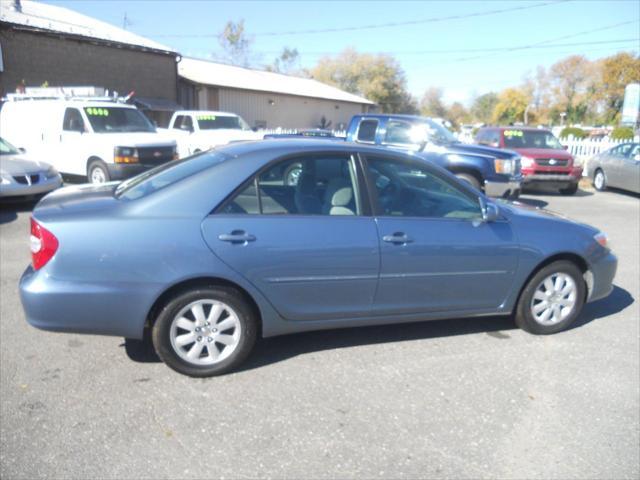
[545, 162]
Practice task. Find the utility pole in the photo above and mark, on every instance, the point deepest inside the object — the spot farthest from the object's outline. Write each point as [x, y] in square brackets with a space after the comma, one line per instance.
[125, 21]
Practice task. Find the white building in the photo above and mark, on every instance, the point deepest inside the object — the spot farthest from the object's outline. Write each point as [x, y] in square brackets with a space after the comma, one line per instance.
[265, 99]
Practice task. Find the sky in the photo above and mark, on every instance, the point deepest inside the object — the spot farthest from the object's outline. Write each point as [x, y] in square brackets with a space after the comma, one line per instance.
[467, 56]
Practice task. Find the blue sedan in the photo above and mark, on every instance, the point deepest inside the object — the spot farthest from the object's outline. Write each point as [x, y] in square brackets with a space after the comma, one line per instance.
[208, 253]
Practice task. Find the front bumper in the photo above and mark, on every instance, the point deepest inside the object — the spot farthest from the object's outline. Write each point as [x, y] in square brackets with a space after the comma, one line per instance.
[16, 189]
[508, 189]
[600, 276]
[122, 171]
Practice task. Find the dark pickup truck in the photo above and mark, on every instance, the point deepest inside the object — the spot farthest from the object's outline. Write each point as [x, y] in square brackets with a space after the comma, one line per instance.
[495, 171]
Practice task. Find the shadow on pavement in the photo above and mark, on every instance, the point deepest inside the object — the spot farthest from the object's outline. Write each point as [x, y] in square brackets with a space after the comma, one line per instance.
[532, 202]
[9, 208]
[277, 349]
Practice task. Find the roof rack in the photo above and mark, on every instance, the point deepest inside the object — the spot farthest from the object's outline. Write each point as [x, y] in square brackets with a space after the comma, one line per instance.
[68, 93]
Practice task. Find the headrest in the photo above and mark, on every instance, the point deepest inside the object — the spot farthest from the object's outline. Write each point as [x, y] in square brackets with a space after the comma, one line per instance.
[342, 197]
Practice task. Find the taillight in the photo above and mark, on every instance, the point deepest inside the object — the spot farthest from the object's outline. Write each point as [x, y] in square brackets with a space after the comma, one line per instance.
[43, 243]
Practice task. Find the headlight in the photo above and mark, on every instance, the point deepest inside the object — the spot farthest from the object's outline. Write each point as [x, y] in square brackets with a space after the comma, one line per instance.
[5, 179]
[528, 162]
[602, 239]
[125, 155]
[505, 166]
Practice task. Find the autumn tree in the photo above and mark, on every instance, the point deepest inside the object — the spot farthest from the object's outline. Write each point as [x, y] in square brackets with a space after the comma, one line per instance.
[572, 86]
[376, 77]
[288, 62]
[432, 104]
[510, 107]
[235, 44]
[616, 72]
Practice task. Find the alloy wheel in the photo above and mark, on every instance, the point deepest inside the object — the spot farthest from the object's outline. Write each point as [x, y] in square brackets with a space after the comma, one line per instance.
[554, 299]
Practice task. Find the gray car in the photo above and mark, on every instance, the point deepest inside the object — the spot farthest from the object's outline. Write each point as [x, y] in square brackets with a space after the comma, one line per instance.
[23, 177]
[618, 167]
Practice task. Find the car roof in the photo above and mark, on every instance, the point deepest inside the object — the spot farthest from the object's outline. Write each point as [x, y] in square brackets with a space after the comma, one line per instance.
[393, 115]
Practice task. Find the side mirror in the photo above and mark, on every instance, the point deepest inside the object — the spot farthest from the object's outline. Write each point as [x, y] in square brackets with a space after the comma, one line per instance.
[490, 212]
[636, 157]
[565, 147]
[22, 150]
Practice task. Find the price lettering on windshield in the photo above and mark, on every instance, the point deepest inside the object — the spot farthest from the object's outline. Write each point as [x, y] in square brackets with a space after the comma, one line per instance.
[206, 117]
[513, 133]
[98, 112]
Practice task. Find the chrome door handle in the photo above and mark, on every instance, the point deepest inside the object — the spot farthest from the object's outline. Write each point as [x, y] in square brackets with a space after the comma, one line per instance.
[237, 236]
[397, 238]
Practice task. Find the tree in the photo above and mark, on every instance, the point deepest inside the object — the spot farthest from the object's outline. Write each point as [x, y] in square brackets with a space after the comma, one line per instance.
[432, 104]
[510, 107]
[616, 72]
[235, 43]
[458, 114]
[483, 106]
[536, 85]
[287, 62]
[376, 77]
[571, 82]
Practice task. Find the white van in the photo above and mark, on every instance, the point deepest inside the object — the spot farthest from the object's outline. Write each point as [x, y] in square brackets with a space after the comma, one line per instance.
[200, 130]
[101, 139]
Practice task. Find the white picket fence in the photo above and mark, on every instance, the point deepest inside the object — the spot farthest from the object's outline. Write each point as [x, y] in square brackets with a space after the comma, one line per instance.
[585, 148]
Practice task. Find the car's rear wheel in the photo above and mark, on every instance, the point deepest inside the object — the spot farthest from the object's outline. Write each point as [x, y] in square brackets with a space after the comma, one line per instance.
[599, 181]
[570, 190]
[552, 299]
[205, 331]
[97, 172]
[470, 179]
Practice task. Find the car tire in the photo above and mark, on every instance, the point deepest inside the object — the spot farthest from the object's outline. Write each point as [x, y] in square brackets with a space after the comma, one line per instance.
[97, 172]
[470, 179]
[599, 180]
[564, 300]
[570, 190]
[193, 339]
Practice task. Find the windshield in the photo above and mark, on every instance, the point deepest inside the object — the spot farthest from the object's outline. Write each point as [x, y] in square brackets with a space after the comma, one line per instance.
[166, 174]
[215, 122]
[118, 120]
[515, 138]
[6, 148]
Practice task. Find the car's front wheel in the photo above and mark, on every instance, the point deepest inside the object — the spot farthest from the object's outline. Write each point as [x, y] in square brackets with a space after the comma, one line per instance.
[98, 172]
[205, 331]
[552, 299]
[599, 181]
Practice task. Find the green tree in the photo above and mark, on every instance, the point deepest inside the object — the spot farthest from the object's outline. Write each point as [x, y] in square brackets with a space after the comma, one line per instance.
[457, 114]
[235, 44]
[376, 77]
[571, 81]
[510, 107]
[616, 72]
[483, 106]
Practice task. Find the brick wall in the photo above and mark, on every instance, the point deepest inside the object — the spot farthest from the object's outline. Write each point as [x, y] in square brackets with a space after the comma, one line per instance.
[38, 57]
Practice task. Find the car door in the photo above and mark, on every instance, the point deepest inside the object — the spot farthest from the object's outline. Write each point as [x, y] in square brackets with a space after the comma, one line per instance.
[630, 169]
[436, 254]
[307, 247]
[614, 170]
[71, 158]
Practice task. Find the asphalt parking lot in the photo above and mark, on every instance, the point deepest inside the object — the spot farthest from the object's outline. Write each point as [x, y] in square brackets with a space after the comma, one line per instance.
[461, 398]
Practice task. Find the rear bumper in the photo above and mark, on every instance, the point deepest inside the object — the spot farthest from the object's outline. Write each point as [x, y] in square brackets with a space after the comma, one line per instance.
[101, 309]
[510, 188]
[602, 273]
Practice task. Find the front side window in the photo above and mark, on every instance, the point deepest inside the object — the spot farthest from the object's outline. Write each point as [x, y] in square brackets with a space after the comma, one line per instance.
[73, 120]
[408, 189]
[117, 120]
[317, 185]
[367, 131]
[6, 148]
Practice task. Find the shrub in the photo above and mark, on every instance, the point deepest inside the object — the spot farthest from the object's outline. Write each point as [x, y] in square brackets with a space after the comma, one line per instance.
[573, 131]
[622, 133]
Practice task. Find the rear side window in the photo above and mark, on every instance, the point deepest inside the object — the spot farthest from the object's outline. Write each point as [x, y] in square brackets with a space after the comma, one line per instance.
[367, 131]
[166, 174]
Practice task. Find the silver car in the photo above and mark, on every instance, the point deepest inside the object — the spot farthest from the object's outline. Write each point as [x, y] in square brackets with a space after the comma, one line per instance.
[618, 167]
[20, 176]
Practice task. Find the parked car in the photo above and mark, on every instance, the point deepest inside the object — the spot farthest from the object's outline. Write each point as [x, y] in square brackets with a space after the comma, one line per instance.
[219, 250]
[97, 138]
[545, 162]
[201, 130]
[21, 176]
[492, 170]
[617, 167]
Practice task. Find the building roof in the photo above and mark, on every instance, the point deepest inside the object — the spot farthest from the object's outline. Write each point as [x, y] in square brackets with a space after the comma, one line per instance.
[51, 18]
[218, 74]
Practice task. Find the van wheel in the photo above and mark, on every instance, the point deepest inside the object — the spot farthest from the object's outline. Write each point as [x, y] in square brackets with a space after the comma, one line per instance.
[552, 299]
[470, 179]
[205, 331]
[97, 172]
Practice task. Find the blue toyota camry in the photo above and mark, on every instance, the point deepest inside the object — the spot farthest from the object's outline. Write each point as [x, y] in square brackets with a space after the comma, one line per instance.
[210, 252]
